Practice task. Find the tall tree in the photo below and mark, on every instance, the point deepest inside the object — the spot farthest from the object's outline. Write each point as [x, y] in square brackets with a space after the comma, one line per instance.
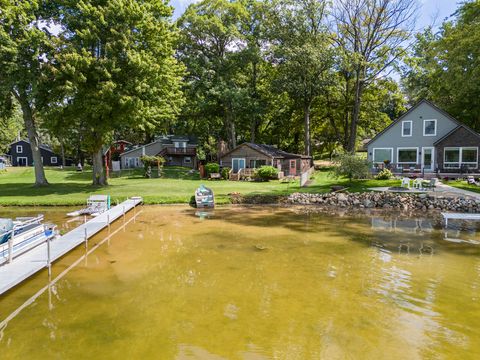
[371, 36]
[24, 41]
[115, 69]
[303, 53]
[445, 66]
[210, 45]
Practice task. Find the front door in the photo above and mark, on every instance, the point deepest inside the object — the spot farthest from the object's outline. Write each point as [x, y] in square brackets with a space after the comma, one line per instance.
[293, 167]
[22, 161]
[428, 159]
[237, 164]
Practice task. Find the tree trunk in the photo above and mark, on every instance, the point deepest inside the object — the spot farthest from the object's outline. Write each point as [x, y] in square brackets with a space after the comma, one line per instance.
[63, 154]
[308, 142]
[231, 130]
[98, 173]
[33, 138]
[355, 115]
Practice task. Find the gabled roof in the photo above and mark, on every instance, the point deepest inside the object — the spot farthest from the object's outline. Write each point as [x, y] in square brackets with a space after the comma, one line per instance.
[268, 150]
[454, 130]
[423, 101]
[165, 140]
[41, 146]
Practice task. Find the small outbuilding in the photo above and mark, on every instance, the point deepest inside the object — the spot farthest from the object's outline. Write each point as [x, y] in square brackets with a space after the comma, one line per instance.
[248, 156]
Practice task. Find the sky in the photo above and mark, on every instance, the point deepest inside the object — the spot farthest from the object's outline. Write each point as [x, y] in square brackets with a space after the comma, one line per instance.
[432, 12]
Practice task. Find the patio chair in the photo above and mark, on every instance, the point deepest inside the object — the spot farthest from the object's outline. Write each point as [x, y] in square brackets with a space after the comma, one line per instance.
[418, 183]
[431, 185]
[406, 182]
[471, 181]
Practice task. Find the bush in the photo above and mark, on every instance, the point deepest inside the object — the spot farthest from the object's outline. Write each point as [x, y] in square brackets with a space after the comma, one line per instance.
[149, 162]
[385, 174]
[211, 168]
[225, 172]
[266, 173]
[352, 167]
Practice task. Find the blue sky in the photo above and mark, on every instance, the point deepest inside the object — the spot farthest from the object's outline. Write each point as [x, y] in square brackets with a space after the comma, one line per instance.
[430, 10]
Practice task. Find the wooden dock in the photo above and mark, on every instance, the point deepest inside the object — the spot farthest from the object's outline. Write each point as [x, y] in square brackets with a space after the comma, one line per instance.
[29, 263]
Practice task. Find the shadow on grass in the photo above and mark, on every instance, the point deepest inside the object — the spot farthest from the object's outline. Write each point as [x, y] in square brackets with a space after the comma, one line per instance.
[25, 190]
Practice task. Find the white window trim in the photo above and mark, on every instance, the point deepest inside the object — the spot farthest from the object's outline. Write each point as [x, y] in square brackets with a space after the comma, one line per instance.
[460, 157]
[19, 149]
[54, 158]
[406, 148]
[22, 157]
[411, 128]
[373, 155]
[434, 134]
[189, 160]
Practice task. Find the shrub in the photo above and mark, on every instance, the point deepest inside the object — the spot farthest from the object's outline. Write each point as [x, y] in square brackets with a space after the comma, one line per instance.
[225, 172]
[152, 161]
[385, 174]
[266, 173]
[352, 167]
[211, 168]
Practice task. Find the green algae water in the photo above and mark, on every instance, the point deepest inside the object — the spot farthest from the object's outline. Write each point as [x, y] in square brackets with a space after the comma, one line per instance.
[255, 283]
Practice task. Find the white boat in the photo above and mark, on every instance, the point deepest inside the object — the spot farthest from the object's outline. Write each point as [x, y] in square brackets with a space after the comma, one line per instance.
[96, 204]
[204, 197]
[22, 234]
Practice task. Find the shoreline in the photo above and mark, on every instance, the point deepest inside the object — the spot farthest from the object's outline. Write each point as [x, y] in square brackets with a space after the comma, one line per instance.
[358, 201]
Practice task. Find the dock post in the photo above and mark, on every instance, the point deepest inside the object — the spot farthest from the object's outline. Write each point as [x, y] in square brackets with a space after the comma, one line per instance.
[49, 261]
[86, 239]
[84, 219]
[10, 247]
[108, 222]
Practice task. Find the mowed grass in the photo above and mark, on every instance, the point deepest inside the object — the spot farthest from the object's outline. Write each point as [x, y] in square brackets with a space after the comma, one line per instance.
[176, 186]
[462, 184]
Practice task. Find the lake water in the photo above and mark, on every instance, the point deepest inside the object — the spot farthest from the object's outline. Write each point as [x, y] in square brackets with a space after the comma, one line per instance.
[255, 283]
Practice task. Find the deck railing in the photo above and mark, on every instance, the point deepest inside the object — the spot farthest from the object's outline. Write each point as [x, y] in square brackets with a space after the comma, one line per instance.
[171, 150]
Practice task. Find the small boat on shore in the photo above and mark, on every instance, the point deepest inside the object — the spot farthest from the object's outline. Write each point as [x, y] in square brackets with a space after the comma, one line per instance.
[96, 204]
[24, 233]
[204, 197]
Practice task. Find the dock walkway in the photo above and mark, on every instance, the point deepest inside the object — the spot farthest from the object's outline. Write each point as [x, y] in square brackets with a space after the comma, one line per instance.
[459, 216]
[27, 264]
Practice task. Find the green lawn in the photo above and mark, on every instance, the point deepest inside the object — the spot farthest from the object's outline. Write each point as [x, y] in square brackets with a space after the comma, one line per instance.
[462, 184]
[68, 187]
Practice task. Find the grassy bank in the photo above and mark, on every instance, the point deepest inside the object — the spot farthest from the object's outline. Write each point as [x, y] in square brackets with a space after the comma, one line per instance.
[68, 187]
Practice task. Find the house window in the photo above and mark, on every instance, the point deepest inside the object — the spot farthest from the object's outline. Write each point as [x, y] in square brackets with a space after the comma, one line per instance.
[19, 149]
[407, 128]
[407, 155]
[455, 157]
[429, 127]
[187, 159]
[380, 155]
[257, 163]
[53, 159]
[469, 155]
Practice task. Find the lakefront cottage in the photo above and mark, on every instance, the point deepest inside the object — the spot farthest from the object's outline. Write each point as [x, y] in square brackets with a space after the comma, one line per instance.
[426, 140]
[245, 158]
[20, 154]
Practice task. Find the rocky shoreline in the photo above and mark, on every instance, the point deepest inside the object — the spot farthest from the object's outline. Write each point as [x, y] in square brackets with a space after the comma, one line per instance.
[387, 200]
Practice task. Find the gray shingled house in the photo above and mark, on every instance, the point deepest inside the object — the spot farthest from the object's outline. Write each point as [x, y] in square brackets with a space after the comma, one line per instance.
[425, 140]
[177, 151]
